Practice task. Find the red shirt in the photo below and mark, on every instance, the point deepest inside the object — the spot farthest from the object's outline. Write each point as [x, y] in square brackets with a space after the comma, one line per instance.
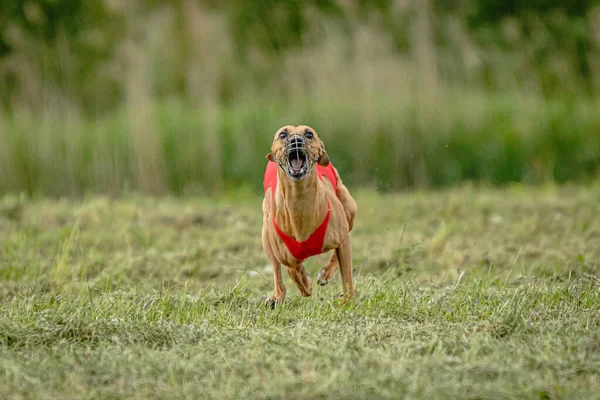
[314, 244]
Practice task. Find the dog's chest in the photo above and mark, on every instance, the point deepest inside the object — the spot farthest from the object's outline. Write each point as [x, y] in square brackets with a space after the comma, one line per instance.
[324, 238]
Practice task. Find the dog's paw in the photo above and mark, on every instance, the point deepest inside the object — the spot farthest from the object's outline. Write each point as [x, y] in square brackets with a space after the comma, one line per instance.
[322, 279]
[271, 301]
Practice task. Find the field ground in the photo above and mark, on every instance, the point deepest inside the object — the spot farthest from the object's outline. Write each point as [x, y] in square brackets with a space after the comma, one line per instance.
[468, 293]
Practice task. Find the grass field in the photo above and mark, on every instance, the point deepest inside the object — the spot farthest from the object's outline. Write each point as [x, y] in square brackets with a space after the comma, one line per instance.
[468, 293]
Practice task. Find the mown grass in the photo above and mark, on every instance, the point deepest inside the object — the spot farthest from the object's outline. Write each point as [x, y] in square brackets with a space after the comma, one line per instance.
[468, 293]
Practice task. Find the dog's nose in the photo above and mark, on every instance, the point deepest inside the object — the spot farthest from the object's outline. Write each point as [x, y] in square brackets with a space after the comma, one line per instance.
[296, 141]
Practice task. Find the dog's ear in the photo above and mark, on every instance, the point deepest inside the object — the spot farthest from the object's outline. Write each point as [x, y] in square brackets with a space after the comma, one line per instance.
[323, 159]
[270, 157]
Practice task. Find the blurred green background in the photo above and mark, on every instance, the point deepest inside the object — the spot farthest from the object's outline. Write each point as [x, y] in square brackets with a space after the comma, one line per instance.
[184, 96]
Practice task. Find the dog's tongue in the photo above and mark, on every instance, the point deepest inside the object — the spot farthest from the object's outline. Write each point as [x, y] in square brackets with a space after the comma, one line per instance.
[296, 163]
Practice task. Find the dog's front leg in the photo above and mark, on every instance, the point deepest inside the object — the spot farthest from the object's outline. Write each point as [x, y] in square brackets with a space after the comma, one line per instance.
[279, 295]
[301, 279]
[344, 253]
[280, 291]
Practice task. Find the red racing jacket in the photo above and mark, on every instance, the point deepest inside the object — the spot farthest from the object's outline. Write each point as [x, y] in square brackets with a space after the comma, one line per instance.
[314, 244]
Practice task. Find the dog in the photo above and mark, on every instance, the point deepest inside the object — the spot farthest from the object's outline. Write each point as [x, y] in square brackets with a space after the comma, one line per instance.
[307, 210]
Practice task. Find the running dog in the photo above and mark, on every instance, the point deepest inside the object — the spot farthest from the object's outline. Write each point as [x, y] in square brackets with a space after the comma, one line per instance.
[307, 211]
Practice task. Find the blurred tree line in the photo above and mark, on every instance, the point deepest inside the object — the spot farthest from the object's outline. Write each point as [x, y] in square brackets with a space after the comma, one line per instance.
[69, 44]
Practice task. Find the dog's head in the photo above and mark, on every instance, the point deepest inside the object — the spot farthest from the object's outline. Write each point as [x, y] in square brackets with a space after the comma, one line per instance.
[296, 149]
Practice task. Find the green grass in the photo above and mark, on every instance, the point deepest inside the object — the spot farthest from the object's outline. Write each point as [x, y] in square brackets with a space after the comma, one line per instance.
[464, 293]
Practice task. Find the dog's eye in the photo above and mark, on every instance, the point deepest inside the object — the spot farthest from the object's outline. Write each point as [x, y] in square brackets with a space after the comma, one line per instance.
[309, 135]
[282, 135]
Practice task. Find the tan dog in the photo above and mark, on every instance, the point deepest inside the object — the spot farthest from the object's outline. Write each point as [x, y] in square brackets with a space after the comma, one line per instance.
[307, 211]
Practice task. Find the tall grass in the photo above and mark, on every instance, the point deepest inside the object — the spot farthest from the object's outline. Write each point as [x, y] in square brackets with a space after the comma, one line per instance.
[478, 138]
[390, 120]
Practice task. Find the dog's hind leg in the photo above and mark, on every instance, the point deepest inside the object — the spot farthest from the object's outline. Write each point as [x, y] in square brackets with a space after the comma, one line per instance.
[326, 273]
[344, 253]
[301, 279]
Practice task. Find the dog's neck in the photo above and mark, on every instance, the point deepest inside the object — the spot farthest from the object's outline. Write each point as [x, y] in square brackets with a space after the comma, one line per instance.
[300, 205]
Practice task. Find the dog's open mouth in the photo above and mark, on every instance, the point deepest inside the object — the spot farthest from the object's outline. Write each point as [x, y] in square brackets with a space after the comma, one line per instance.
[297, 164]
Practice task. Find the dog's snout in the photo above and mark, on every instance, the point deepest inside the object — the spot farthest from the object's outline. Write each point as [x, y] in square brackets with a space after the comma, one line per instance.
[296, 141]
